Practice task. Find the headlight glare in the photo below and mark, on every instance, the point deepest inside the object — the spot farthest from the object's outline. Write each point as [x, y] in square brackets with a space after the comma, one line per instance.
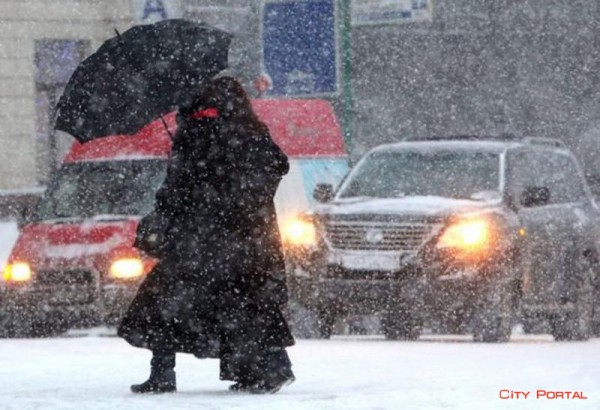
[17, 272]
[126, 268]
[298, 231]
[467, 235]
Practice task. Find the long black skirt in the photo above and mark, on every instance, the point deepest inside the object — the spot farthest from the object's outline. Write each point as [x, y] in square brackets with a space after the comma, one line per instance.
[173, 312]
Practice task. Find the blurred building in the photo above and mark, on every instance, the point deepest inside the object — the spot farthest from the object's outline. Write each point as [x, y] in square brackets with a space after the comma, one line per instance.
[40, 44]
[529, 67]
[473, 66]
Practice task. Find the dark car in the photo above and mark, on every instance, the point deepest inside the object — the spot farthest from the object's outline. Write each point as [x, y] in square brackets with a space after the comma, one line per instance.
[471, 231]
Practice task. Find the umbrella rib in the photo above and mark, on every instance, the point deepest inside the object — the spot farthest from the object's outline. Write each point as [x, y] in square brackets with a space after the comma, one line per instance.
[166, 127]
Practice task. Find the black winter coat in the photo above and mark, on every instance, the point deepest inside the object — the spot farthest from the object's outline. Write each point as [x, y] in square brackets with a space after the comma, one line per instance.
[223, 266]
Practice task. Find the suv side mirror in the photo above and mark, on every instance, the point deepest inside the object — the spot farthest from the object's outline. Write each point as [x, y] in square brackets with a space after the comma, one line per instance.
[534, 196]
[323, 193]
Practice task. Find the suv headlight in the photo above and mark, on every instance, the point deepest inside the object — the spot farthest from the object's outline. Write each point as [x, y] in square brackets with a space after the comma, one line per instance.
[126, 268]
[469, 235]
[17, 272]
[299, 231]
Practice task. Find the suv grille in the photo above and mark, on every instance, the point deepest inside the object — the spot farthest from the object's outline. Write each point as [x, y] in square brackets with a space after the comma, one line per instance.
[392, 236]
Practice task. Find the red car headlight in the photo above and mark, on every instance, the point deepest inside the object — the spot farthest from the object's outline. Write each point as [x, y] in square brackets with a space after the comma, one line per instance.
[126, 268]
[17, 272]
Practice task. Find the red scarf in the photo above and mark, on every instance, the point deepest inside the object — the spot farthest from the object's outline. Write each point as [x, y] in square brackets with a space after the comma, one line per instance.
[205, 113]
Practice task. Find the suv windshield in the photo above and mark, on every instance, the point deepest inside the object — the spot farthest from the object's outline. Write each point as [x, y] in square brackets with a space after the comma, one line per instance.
[406, 173]
[87, 189]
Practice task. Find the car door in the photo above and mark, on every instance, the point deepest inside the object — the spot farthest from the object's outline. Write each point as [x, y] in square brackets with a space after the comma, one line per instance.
[540, 184]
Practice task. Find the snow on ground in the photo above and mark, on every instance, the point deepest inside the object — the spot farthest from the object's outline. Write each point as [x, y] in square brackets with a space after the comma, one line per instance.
[89, 371]
[366, 372]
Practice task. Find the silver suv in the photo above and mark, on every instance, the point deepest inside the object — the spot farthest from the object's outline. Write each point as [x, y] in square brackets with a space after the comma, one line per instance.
[465, 232]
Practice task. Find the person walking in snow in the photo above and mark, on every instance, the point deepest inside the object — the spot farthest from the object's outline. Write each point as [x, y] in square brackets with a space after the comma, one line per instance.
[219, 288]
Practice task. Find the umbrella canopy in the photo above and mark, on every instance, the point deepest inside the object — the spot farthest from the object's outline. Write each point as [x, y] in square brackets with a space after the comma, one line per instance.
[139, 75]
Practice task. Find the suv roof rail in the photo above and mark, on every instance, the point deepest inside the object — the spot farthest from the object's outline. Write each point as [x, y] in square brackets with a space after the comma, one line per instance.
[506, 137]
[464, 137]
[549, 142]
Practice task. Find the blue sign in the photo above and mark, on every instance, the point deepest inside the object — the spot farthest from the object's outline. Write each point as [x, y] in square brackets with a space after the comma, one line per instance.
[154, 7]
[299, 47]
[151, 11]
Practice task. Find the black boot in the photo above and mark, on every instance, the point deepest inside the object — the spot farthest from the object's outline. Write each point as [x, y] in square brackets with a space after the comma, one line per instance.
[241, 387]
[162, 375]
[276, 373]
[271, 386]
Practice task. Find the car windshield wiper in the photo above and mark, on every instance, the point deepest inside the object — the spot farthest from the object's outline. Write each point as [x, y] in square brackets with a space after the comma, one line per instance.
[357, 198]
[57, 219]
[113, 217]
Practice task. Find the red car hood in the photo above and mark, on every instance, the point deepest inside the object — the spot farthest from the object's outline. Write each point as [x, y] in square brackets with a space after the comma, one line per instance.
[88, 243]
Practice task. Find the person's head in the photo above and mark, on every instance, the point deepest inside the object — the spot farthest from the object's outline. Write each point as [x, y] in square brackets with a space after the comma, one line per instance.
[228, 96]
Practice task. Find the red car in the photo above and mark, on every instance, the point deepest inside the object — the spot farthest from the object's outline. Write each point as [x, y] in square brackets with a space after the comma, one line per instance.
[73, 263]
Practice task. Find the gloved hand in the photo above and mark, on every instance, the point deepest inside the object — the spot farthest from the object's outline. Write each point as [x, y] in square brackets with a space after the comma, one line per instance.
[150, 235]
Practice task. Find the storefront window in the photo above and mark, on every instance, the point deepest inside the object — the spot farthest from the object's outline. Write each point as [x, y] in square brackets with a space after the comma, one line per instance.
[55, 61]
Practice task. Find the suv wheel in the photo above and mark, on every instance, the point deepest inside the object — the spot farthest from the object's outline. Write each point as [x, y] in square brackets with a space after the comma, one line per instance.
[596, 327]
[401, 325]
[576, 324]
[596, 320]
[494, 314]
[596, 304]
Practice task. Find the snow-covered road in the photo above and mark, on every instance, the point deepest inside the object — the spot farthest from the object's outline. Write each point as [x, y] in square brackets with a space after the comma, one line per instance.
[94, 372]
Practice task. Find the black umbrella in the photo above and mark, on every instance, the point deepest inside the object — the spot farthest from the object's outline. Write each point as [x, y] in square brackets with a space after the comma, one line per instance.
[139, 75]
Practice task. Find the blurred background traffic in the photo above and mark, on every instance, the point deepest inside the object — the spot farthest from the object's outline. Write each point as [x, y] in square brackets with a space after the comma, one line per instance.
[391, 70]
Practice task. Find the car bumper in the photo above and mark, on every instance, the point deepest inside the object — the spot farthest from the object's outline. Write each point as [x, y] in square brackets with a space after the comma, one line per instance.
[103, 305]
[413, 287]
